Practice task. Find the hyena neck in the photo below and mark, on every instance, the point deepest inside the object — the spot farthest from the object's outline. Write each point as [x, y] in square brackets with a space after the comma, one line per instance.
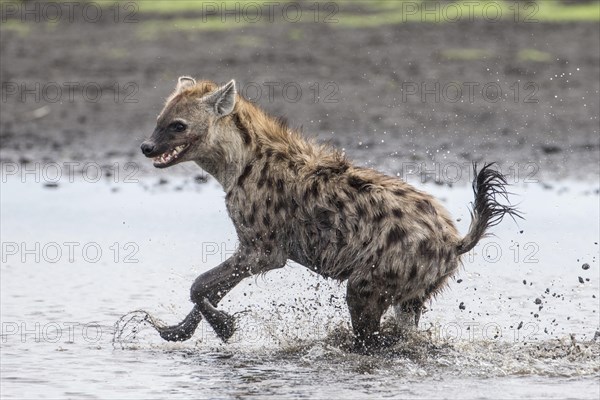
[229, 155]
[242, 137]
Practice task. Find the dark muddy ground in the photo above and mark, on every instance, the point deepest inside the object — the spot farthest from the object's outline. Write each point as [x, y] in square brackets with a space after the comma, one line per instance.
[361, 88]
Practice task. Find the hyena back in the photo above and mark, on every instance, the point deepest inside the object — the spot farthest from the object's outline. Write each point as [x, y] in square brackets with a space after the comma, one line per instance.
[292, 199]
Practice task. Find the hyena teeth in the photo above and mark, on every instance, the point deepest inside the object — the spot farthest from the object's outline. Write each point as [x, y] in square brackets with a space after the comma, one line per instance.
[171, 155]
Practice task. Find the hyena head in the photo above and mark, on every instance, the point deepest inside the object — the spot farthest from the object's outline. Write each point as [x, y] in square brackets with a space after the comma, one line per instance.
[190, 128]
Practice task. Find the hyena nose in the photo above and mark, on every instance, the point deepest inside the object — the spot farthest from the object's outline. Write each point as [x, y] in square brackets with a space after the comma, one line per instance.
[147, 148]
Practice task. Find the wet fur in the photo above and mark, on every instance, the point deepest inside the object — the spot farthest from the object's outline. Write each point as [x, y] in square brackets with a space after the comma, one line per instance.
[293, 199]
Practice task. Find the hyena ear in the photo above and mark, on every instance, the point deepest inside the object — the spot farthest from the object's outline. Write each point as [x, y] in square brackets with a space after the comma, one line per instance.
[223, 100]
[184, 82]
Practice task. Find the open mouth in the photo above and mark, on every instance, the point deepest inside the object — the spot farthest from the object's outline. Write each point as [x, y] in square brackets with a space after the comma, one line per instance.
[170, 157]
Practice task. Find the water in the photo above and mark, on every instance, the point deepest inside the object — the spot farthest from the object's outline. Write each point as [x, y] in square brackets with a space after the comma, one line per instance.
[106, 249]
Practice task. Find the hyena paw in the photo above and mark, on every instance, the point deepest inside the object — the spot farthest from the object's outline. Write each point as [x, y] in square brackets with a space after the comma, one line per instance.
[222, 323]
[225, 328]
[176, 333]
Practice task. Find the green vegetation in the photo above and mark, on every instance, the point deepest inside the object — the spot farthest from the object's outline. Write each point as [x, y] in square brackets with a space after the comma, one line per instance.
[215, 15]
[554, 11]
[402, 10]
[368, 13]
[534, 55]
[19, 27]
[385, 12]
[296, 34]
[177, 6]
[249, 41]
[464, 54]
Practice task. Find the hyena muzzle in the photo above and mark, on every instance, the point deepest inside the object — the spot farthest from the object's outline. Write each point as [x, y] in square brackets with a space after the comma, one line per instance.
[292, 199]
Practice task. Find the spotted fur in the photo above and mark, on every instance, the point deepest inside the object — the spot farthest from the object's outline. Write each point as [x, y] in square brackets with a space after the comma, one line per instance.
[293, 199]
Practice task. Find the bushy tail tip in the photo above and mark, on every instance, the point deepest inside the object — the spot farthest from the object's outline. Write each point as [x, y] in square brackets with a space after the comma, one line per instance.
[489, 186]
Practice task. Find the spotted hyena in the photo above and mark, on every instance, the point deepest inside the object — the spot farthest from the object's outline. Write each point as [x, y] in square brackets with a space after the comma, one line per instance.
[292, 199]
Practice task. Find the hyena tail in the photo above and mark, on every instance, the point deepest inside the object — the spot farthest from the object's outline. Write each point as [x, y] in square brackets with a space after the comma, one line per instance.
[488, 186]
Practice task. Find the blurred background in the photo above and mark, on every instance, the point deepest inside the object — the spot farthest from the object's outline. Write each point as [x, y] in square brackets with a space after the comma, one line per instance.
[422, 82]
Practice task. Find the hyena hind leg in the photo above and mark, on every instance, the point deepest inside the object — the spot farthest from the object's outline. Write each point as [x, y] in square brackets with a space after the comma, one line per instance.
[408, 313]
[366, 306]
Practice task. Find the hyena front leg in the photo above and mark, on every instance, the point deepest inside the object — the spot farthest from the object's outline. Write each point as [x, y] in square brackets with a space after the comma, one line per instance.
[210, 287]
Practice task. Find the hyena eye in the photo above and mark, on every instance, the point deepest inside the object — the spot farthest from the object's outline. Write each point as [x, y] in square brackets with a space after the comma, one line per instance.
[178, 126]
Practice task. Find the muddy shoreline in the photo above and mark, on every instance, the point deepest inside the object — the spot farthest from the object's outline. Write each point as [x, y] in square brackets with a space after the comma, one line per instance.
[398, 97]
